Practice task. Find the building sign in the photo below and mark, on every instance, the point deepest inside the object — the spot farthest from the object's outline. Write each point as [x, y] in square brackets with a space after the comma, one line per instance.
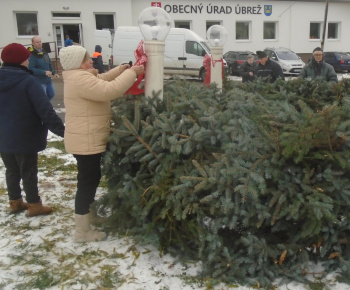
[156, 4]
[216, 9]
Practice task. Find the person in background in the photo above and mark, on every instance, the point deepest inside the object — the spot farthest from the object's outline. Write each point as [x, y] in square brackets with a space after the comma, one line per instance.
[318, 69]
[25, 116]
[40, 64]
[97, 59]
[247, 70]
[267, 68]
[87, 97]
[68, 41]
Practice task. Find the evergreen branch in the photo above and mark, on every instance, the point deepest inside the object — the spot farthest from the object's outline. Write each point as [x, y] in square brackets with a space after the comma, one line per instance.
[128, 125]
[137, 116]
[121, 132]
[248, 179]
[200, 169]
[282, 257]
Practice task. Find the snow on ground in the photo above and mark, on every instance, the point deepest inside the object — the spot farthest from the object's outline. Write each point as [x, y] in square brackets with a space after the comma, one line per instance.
[36, 250]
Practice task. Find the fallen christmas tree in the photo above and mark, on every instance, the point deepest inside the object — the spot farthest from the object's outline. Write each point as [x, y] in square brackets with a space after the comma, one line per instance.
[253, 181]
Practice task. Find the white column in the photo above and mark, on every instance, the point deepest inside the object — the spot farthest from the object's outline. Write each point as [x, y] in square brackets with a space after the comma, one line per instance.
[216, 70]
[154, 73]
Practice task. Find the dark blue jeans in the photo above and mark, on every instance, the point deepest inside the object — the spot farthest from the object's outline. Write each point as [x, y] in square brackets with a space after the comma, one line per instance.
[49, 90]
[89, 176]
[25, 167]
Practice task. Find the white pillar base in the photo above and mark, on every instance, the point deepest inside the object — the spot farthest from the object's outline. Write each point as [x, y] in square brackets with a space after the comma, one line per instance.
[216, 70]
[154, 73]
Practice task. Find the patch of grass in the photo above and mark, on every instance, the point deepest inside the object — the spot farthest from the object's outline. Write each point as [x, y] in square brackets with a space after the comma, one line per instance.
[52, 164]
[42, 280]
[2, 190]
[110, 277]
[58, 145]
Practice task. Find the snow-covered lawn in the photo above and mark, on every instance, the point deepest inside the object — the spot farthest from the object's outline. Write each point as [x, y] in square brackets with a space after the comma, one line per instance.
[38, 252]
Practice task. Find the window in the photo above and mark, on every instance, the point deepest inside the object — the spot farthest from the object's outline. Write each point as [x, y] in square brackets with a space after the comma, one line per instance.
[242, 30]
[27, 23]
[211, 23]
[104, 21]
[315, 30]
[270, 30]
[182, 24]
[332, 30]
[195, 48]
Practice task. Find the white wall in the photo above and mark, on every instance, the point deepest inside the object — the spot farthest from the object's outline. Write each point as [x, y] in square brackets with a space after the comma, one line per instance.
[293, 19]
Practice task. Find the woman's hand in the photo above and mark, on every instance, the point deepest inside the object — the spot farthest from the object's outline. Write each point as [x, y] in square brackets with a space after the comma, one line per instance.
[124, 67]
[138, 69]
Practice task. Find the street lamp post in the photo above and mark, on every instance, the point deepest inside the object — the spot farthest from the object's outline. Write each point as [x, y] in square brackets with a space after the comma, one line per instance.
[154, 23]
[217, 36]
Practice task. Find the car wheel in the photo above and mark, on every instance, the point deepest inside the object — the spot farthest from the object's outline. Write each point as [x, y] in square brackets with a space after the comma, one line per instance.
[202, 74]
[232, 70]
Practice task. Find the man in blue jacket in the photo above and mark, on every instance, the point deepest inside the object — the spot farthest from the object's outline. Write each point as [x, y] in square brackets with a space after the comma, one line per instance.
[26, 114]
[40, 64]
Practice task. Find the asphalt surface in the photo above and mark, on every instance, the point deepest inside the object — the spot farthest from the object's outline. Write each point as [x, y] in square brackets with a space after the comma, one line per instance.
[57, 101]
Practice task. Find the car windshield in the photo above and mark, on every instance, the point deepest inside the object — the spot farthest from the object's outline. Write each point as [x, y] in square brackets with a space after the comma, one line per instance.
[344, 55]
[287, 55]
[206, 46]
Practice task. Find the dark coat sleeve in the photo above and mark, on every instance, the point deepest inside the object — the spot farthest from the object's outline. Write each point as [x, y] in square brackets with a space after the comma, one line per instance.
[331, 74]
[277, 71]
[242, 70]
[44, 109]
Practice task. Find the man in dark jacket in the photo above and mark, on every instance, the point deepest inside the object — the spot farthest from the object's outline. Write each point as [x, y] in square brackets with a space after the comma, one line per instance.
[247, 70]
[40, 64]
[318, 69]
[268, 68]
[25, 116]
[97, 59]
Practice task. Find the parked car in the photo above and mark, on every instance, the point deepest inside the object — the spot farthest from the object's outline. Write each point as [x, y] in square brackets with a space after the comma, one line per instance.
[235, 59]
[339, 60]
[290, 62]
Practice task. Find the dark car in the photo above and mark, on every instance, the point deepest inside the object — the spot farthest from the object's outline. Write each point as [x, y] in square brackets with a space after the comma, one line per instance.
[235, 59]
[339, 60]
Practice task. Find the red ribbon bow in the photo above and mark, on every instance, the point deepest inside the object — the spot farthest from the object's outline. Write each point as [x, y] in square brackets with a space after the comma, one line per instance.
[141, 59]
[207, 63]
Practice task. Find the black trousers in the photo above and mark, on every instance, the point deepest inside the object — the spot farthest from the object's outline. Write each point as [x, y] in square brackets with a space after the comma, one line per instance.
[25, 167]
[89, 176]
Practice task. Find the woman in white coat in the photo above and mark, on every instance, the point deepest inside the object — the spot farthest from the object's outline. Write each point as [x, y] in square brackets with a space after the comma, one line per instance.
[87, 97]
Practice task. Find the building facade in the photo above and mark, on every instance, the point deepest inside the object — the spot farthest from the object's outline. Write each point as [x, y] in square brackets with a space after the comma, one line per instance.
[251, 25]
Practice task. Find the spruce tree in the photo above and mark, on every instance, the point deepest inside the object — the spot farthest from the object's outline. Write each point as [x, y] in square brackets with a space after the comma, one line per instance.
[253, 181]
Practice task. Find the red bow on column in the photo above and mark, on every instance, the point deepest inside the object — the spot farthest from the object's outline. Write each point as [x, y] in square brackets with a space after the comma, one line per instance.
[207, 63]
[141, 59]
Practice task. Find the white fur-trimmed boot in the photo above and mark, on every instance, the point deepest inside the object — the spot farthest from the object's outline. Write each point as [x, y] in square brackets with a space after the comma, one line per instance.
[95, 219]
[83, 232]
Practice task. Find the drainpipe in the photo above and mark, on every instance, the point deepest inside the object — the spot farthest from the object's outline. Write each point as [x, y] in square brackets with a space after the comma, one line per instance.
[324, 25]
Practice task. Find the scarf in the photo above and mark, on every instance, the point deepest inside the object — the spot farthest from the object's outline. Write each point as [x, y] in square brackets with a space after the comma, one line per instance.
[317, 66]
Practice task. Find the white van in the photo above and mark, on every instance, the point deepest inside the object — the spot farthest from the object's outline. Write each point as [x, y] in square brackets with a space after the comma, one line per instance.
[183, 55]
[104, 39]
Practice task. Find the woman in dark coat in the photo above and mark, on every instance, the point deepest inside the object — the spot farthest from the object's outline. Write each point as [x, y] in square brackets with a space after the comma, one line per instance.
[25, 116]
[247, 69]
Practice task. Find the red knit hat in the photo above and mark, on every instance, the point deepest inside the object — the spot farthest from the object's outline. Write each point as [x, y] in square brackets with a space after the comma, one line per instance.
[14, 53]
